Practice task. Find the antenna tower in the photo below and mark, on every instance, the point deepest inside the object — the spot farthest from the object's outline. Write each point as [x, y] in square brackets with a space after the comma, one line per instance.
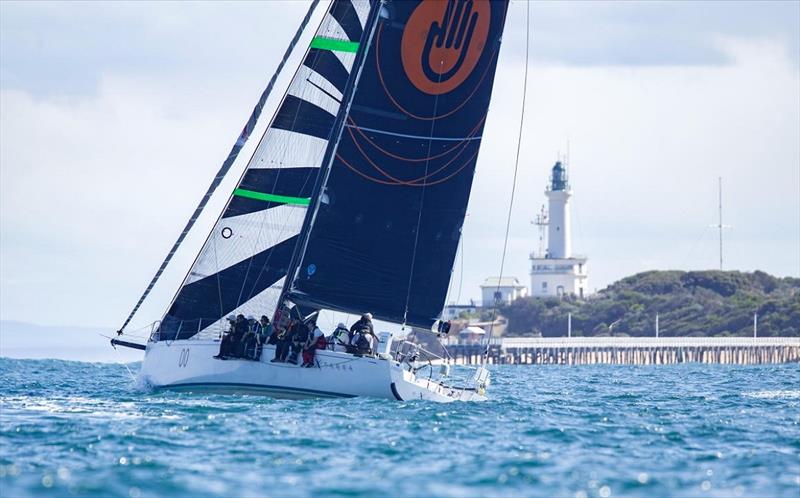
[719, 226]
[541, 222]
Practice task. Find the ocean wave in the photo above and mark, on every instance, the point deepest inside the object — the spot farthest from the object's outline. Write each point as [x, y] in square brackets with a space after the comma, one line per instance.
[779, 394]
[72, 428]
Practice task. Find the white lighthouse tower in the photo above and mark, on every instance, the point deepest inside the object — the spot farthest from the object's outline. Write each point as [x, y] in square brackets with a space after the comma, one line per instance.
[558, 272]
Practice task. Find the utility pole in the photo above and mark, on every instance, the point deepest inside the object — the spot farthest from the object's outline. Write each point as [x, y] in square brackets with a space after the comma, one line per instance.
[755, 324]
[569, 324]
[656, 325]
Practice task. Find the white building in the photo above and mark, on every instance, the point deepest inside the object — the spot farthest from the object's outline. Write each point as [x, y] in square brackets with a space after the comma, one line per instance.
[558, 272]
[495, 290]
[453, 311]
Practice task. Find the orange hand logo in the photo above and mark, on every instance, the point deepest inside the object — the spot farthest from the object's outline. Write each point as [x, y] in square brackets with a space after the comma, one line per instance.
[443, 41]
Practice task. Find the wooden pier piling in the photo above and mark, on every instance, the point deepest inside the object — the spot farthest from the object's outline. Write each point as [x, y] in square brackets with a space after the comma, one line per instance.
[629, 351]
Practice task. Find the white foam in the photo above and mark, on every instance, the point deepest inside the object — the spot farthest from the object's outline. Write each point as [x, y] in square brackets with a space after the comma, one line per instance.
[781, 394]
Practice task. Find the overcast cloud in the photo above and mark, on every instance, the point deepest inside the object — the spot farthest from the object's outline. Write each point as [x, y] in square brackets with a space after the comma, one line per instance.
[115, 116]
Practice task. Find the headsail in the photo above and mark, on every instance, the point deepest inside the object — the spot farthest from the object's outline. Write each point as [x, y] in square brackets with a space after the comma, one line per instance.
[226, 165]
[388, 221]
[242, 265]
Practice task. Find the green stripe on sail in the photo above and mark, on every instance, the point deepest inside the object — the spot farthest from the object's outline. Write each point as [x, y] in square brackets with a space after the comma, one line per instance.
[323, 43]
[260, 196]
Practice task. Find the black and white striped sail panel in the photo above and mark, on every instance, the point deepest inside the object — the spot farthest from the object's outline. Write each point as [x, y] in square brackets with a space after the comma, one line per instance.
[242, 265]
[386, 233]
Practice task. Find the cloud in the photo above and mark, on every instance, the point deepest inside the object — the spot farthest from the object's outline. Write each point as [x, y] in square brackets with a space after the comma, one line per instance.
[62, 48]
[647, 146]
[602, 33]
[98, 175]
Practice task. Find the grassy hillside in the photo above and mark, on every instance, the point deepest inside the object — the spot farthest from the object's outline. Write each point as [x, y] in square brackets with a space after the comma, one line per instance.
[701, 303]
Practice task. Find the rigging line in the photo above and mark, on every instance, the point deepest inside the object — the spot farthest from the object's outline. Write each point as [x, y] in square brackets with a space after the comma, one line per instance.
[329, 94]
[409, 184]
[330, 153]
[413, 181]
[460, 140]
[280, 234]
[516, 168]
[461, 278]
[219, 286]
[275, 183]
[421, 205]
[261, 144]
[360, 130]
[450, 283]
[285, 221]
[226, 165]
[133, 377]
[688, 257]
[264, 266]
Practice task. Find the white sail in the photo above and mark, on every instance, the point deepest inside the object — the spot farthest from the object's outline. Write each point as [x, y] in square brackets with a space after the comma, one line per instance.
[246, 256]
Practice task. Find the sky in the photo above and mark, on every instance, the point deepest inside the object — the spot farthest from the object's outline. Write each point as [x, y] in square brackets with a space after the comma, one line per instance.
[115, 116]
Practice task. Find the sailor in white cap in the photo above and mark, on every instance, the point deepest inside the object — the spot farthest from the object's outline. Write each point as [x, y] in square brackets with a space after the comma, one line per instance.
[340, 338]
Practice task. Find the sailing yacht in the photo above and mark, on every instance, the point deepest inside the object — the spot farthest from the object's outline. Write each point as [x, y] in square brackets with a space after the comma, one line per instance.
[352, 202]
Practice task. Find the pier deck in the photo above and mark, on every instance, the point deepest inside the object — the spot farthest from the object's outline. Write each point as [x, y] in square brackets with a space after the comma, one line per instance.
[630, 350]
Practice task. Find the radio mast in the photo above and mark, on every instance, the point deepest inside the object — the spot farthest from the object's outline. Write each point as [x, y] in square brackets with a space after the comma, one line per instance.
[541, 223]
[719, 225]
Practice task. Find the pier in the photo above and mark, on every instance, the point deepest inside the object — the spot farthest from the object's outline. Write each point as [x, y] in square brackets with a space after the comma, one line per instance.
[629, 351]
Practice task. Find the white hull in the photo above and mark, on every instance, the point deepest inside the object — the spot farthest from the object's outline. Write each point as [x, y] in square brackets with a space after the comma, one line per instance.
[189, 365]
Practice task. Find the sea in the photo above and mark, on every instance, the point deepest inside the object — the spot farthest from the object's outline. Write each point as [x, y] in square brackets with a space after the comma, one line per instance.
[86, 429]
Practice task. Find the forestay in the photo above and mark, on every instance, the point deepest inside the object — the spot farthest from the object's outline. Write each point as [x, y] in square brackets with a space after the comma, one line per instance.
[242, 265]
[389, 217]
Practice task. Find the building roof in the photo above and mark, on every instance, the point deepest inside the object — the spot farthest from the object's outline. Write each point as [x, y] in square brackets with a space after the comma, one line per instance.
[501, 282]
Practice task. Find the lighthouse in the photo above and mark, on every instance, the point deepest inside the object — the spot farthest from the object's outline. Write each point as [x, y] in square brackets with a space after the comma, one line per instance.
[556, 271]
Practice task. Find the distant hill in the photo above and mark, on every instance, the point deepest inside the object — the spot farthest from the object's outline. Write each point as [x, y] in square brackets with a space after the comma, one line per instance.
[697, 303]
[26, 340]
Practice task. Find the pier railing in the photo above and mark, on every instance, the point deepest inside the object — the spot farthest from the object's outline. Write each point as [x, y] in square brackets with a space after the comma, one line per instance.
[629, 350]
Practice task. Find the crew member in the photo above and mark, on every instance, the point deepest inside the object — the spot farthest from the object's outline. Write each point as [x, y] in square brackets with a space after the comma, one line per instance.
[339, 340]
[362, 331]
[316, 340]
[227, 342]
[299, 335]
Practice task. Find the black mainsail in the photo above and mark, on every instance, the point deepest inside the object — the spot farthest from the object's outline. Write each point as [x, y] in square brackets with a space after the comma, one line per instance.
[384, 233]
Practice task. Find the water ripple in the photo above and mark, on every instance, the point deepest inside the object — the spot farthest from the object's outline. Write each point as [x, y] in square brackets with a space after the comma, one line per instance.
[79, 429]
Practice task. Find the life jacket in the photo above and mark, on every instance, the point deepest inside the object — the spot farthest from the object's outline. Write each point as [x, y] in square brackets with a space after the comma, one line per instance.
[300, 332]
[362, 327]
[341, 337]
[240, 329]
[281, 321]
[363, 343]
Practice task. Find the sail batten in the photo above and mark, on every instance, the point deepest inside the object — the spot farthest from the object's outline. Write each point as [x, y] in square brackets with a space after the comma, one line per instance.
[280, 199]
[325, 43]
